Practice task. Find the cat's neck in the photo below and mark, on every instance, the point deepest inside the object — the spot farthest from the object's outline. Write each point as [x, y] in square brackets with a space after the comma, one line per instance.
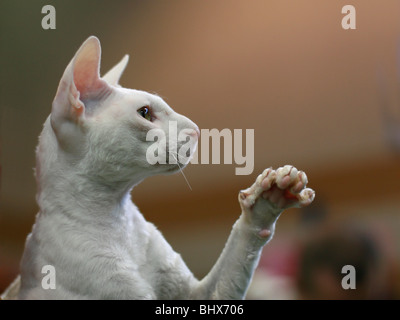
[71, 195]
[68, 189]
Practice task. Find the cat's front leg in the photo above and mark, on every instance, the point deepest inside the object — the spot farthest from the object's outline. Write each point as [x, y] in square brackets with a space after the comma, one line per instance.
[262, 204]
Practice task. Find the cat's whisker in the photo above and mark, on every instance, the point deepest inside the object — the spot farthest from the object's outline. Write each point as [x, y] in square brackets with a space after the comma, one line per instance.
[180, 169]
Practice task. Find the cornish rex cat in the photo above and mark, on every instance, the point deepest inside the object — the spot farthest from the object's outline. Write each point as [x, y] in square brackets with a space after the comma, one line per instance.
[91, 153]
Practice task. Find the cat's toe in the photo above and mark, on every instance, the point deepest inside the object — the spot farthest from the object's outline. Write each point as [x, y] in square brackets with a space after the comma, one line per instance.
[306, 197]
[287, 188]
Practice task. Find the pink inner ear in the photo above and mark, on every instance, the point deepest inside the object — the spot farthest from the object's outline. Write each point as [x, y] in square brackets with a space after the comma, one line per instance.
[86, 77]
[86, 71]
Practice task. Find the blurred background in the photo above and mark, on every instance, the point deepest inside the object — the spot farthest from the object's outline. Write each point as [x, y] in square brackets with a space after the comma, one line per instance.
[319, 97]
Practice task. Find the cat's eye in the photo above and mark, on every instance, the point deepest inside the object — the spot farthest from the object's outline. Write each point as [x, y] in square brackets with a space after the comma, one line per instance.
[145, 113]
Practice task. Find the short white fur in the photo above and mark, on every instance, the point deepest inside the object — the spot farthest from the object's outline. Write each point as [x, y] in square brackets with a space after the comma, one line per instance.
[91, 153]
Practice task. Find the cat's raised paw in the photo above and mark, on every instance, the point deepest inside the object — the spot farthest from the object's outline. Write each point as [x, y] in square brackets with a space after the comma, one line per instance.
[276, 190]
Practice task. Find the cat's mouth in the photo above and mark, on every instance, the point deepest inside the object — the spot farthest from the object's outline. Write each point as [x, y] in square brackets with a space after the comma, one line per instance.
[172, 157]
[177, 162]
[180, 156]
[174, 163]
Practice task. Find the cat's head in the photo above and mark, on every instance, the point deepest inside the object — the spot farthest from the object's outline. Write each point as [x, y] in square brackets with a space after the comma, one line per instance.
[115, 133]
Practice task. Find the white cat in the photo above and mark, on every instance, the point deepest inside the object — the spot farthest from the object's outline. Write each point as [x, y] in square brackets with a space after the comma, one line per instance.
[91, 153]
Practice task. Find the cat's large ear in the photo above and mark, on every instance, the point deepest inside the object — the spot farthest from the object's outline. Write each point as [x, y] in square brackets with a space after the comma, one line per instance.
[79, 85]
[112, 77]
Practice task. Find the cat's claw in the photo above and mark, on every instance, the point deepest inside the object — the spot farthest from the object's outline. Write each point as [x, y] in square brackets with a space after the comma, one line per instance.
[272, 192]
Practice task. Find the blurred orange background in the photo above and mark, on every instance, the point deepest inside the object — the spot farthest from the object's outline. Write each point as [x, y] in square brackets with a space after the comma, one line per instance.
[319, 97]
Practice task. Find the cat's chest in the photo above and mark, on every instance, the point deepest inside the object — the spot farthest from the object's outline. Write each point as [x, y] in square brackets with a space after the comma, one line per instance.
[89, 263]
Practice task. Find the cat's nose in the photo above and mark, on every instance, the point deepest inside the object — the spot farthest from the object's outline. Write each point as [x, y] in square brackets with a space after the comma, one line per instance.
[193, 130]
[196, 132]
[190, 127]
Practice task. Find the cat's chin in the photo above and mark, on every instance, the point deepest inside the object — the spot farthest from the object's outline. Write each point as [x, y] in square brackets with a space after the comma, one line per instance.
[176, 168]
[172, 168]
